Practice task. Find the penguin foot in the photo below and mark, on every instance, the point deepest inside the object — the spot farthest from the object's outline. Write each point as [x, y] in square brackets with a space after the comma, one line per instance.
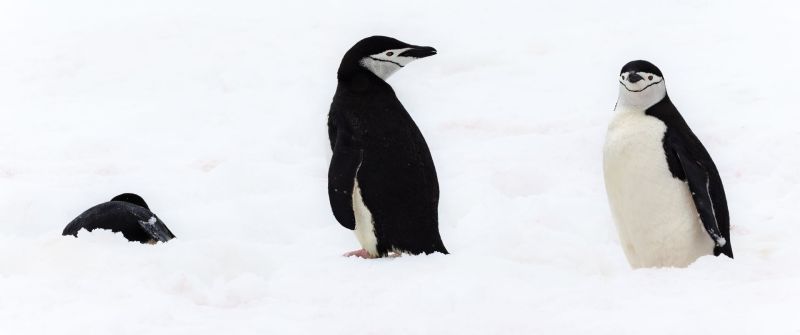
[361, 253]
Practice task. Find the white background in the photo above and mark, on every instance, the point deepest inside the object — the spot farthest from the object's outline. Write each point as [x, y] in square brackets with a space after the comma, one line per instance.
[215, 112]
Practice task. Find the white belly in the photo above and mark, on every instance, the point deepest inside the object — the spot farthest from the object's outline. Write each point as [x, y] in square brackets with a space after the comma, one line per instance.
[655, 215]
[365, 230]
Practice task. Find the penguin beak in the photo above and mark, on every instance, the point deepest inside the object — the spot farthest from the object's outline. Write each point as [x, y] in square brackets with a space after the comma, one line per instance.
[418, 52]
[633, 77]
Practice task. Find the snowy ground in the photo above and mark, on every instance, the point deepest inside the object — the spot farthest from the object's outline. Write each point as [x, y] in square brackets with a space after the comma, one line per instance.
[215, 112]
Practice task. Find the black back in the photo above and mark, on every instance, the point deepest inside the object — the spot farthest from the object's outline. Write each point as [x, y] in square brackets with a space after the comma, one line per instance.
[373, 136]
[641, 66]
[689, 161]
[131, 198]
[127, 214]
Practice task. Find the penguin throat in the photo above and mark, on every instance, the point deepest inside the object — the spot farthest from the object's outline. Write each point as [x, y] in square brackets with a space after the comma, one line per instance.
[380, 67]
[640, 100]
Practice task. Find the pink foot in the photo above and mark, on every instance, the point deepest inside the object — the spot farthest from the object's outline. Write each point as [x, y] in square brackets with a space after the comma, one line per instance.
[362, 253]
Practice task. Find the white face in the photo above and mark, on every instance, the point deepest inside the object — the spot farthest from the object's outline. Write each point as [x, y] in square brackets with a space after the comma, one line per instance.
[386, 63]
[640, 90]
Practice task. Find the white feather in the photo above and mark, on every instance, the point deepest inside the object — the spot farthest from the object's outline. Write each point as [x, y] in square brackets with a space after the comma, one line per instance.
[655, 215]
[365, 229]
[386, 63]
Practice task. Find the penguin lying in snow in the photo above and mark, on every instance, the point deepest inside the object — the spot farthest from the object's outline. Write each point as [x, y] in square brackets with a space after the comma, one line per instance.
[381, 183]
[126, 213]
[665, 192]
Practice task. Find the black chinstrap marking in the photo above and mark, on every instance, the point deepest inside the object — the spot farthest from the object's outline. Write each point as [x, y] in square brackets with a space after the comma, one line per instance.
[387, 61]
[637, 91]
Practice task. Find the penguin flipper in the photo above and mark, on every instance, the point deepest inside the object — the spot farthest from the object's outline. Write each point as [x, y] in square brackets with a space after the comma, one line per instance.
[136, 223]
[341, 179]
[157, 229]
[703, 181]
[72, 228]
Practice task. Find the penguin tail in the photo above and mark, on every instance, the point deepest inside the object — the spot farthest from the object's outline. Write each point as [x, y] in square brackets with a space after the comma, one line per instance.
[427, 250]
[439, 247]
[724, 250]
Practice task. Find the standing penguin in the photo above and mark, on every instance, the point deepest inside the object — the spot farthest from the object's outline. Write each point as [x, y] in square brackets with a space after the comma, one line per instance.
[126, 213]
[381, 182]
[665, 192]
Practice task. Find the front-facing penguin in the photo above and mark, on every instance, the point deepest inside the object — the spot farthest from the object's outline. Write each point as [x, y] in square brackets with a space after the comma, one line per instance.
[381, 182]
[664, 190]
[126, 213]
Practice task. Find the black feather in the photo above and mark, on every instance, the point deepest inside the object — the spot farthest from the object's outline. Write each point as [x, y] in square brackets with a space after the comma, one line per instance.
[127, 214]
[689, 161]
[372, 133]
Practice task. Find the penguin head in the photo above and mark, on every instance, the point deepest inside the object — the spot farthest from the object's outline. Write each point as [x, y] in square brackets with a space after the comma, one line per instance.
[131, 198]
[381, 55]
[641, 84]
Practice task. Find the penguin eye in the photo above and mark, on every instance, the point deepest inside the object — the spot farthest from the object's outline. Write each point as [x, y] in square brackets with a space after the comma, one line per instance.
[649, 77]
[389, 53]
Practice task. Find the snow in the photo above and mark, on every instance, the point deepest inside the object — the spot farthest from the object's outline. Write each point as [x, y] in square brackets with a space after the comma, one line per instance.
[151, 221]
[215, 112]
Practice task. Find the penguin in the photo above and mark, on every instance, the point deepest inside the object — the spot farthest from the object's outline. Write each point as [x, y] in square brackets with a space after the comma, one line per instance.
[126, 213]
[382, 183]
[664, 190]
